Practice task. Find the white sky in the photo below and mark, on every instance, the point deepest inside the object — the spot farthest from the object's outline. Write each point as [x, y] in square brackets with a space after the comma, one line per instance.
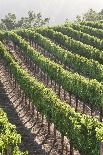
[57, 10]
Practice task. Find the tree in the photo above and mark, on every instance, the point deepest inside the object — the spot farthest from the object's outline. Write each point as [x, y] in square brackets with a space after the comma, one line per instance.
[100, 15]
[90, 15]
[32, 20]
[78, 18]
[10, 22]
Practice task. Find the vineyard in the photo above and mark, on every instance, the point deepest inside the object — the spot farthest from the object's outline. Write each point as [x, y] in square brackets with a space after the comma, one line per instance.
[53, 76]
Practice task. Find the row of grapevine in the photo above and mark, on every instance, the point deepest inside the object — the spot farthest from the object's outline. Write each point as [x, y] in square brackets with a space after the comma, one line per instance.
[80, 36]
[98, 25]
[82, 65]
[88, 91]
[89, 30]
[9, 139]
[74, 46]
[83, 131]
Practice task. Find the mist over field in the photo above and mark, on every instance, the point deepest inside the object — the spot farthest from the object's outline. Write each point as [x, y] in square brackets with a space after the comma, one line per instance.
[57, 10]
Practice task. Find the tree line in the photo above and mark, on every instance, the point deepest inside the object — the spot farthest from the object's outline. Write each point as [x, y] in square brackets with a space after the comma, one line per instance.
[10, 21]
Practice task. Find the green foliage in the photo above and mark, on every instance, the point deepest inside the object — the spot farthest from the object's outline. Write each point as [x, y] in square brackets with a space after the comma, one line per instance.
[95, 24]
[9, 139]
[82, 65]
[91, 15]
[80, 129]
[89, 30]
[10, 22]
[80, 36]
[72, 45]
[88, 91]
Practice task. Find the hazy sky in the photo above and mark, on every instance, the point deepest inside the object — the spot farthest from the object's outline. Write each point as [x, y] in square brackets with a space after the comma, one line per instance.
[57, 10]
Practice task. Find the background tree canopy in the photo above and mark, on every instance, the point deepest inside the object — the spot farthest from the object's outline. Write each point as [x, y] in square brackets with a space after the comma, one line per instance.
[91, 15]
[10, 21]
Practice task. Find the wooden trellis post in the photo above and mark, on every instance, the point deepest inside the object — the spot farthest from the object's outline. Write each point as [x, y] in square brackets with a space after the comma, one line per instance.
[101, 114]
[71, 149]
[101, 148]
[76, 108]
